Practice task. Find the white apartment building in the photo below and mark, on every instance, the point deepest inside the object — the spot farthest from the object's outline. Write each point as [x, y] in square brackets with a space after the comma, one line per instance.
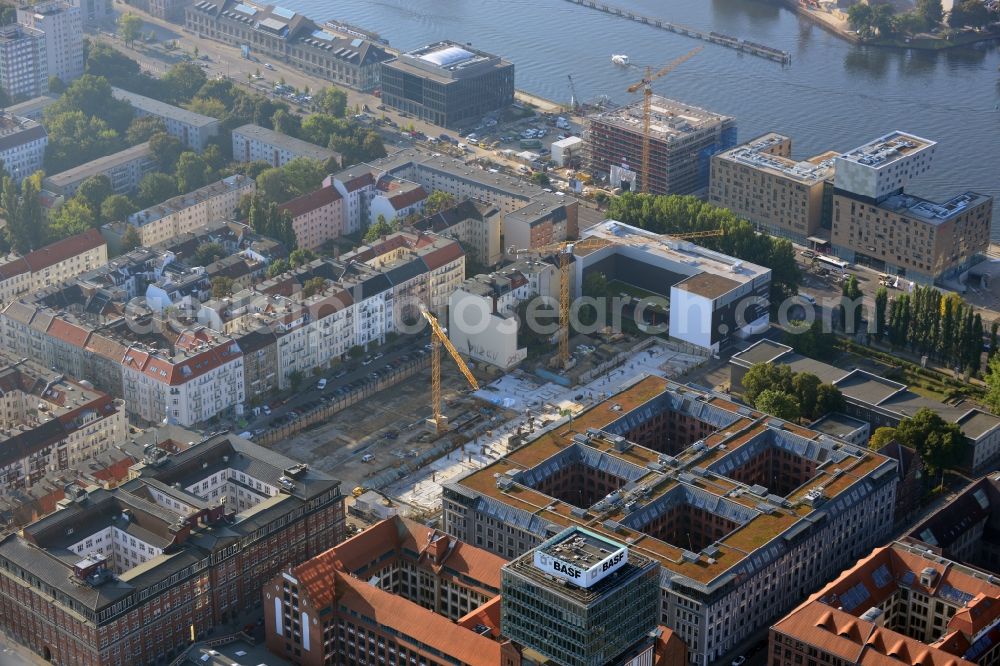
[253, 143]
[188, 212]
[52, 264]
[63, 28]
[884, 165]
[24, 68]
[22, 146]
[192, 129]
[124, 169]
[202, 377]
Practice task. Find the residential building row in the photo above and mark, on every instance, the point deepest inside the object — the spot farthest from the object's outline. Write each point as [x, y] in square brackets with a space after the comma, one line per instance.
[347, 58]
[52, 264]
[317, 217]
[184, 213]
[855, 203]
[192, 129]
[33, 108]
[125, 169]
[50, 422]
[134, 574]
[22, 146]
[475, 224]
[253, 143]
[531, 216]
[879, 401]
[741, 512]
[145, 328]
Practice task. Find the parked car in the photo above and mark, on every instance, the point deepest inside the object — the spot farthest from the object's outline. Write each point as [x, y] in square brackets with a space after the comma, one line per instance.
[321, 384]
[269, 66]
[367, 458]
[266, 410]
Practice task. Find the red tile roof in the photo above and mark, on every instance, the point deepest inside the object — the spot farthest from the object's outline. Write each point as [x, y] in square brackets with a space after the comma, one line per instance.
[183, 371]
[310, 202]
[17, 267]
[61, 329]
[444, 255]
[364, 180]
[406, 199]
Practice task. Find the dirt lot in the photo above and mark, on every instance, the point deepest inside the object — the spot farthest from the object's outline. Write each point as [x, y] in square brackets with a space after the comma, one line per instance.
[337, 447]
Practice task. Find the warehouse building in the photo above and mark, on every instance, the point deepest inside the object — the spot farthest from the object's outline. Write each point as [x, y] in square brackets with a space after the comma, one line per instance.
[743, 513]
[448, 84]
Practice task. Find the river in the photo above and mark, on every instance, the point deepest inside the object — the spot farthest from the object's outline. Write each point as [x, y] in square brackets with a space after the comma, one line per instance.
[833, 96]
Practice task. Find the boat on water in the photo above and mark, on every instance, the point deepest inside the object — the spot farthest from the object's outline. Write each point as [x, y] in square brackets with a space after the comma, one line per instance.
[620, 59]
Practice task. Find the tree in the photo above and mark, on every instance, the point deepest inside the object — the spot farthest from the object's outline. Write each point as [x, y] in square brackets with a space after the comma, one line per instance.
[129, 28]
[332, 101]
[302, 175]
[167, 150]
[286, 123]
[881, 306]
[437, 202]
[377, 230]
[94, 191]
[763, 376]
[130, 239]
[829, 399]
[143, 128]
[883, 19]
[295, 380]
[91, 96]
[859, 17]
[277, 267]
[814, 342]
[222, 286]
[778, 403]
[938, 442]
[541, 179]
[806, 394]
[931, 12]
[992, 379]
[301, 257]
[881, 437]
[993, 337]
[851, 309]
[56, 85]
[972, 13]
[192, 172]
[313, 286]
[206, 253]
[208, 106]
[10, 200]
[155, 188]
[271, 185]
[182, 81]
[75, 138]
[73, 217]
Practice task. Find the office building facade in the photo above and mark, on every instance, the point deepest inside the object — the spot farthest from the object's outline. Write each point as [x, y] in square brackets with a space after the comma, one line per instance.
[63, 29]
[448, 84]
[24, 66]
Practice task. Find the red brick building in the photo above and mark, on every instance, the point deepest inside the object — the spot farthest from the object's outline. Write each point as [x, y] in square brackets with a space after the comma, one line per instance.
[132, 575]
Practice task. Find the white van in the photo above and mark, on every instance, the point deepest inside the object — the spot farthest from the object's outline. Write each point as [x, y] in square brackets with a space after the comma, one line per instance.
[367, 458]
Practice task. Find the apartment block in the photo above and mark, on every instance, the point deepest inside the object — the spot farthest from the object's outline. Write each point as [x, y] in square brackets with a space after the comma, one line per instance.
[482, 311]
[967, 528]
[50, 422]
[192, 129]
[317, 217]
[899, 605]
[411, 593]
[883, 166]
[24, 66]
[52, 264]
[906, 235]
[881, 402]
[475, 224]
[341, 54]
[530, 214]
[742, 512]
[186, 212]
[760, 182]
[253, 143]
[22, 146]
[33, 108]
[448, 84]
[683, 139]
[135, 574]
[124, 169]
[396, 199]
[62, 26]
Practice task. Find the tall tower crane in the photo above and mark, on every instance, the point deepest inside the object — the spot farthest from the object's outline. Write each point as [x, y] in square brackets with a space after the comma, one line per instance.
[440, 337]
[565, 251]
[647, 97]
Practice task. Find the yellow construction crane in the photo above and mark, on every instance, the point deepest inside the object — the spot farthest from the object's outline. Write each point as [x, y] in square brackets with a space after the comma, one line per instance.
[565, 250]
[438, 338]
[647, 98]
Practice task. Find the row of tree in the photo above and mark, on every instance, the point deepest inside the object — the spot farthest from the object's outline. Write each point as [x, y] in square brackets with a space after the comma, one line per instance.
[940, 444]
[873, 20]
[681, 214]
[776, 390]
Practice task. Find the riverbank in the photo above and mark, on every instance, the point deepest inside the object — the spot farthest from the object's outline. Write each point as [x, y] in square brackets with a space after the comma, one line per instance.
[836, 23]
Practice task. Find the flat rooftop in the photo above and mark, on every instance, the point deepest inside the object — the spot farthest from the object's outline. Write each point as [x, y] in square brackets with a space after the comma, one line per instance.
[182, 201]
[929, 211]
[694, 259]
[654, 483]
[161, 109]
[838, 425]
[98, 166]
[447, 62]
[669, 120]
[754, 154]
[883, 151]
[290, 143]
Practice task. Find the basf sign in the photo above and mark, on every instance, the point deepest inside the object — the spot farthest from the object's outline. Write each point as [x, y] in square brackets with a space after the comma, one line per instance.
[576, 574]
